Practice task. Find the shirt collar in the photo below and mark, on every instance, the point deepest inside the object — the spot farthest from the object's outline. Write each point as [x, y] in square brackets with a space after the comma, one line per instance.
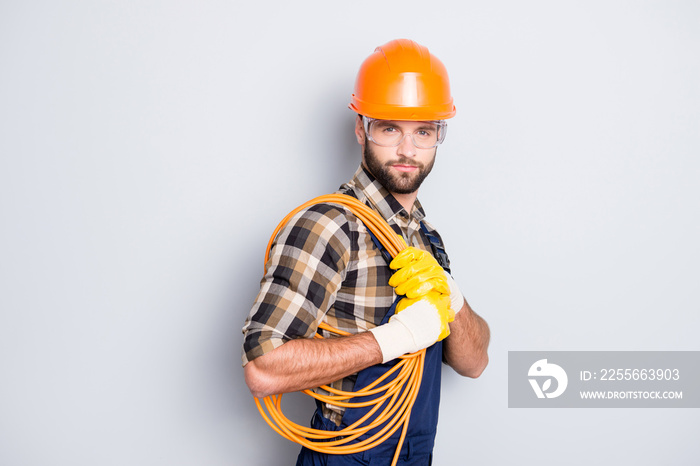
[371, 191]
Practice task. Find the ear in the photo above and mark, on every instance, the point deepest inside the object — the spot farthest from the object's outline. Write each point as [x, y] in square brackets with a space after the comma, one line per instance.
[360, 131]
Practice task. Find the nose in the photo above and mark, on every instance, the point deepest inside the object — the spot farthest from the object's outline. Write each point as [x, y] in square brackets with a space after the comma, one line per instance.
[406, 147]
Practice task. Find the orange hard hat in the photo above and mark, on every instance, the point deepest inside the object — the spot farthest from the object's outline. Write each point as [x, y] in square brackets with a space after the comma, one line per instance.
[402, 80]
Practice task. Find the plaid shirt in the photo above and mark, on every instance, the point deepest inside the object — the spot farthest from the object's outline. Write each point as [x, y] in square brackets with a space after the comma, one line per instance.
[323, 266]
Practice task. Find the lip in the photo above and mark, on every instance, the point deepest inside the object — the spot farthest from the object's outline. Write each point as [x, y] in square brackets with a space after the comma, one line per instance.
[405, 168]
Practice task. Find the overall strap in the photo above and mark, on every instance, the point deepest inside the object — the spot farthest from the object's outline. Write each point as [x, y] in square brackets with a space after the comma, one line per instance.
[376, 241]
[438, 249]
[381, 248]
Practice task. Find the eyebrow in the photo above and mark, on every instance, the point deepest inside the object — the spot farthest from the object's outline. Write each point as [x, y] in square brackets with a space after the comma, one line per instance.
[424, 125]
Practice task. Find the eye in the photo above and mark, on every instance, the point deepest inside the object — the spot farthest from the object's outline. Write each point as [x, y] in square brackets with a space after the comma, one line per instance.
[390, 129]
[424, 133]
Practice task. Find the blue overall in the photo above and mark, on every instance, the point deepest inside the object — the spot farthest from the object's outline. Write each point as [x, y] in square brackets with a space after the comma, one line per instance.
[417, 447]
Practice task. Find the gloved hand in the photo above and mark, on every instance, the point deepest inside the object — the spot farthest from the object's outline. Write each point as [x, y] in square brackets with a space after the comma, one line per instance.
[456, 298]
[418, 273]
[417, 324]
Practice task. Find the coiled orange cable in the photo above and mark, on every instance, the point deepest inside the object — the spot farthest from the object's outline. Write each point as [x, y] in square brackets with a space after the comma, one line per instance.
[399, 394]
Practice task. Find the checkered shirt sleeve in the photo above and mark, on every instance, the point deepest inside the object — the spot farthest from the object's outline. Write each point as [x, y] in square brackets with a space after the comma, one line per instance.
[305, 270]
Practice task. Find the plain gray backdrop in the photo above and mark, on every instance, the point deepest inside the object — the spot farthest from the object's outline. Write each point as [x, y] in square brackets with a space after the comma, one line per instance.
[148, 149]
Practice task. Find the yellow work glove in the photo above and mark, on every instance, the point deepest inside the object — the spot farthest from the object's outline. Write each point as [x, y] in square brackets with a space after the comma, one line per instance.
[441, 302]
[418, 273]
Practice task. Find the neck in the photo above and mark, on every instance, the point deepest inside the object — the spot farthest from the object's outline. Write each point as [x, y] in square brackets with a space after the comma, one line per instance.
[406, 200]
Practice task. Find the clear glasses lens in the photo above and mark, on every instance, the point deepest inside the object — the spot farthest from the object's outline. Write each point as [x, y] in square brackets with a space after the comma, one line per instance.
[388, 134]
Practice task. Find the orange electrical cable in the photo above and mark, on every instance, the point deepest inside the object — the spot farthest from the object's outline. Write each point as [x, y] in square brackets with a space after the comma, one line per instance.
[399, 394]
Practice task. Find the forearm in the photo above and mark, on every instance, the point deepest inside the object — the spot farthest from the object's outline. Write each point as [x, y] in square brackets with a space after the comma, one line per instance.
[308, 363]
[465, 350]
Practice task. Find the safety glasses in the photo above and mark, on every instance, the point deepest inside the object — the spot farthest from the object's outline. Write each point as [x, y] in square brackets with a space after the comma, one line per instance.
[388, 133]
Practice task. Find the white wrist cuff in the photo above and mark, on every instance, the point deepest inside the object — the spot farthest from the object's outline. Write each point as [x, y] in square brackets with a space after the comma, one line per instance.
[411, 330]
[391, 338]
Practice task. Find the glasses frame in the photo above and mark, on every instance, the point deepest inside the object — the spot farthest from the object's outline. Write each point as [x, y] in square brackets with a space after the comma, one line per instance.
[441, 124]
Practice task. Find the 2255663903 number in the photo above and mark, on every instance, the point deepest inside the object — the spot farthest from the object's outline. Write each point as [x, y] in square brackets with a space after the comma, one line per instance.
[639, 374]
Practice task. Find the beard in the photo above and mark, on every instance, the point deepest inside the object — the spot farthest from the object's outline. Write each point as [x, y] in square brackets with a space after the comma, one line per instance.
[398, 183]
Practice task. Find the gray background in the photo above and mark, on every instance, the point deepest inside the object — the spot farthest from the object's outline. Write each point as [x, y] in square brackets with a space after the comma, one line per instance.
[149, 148]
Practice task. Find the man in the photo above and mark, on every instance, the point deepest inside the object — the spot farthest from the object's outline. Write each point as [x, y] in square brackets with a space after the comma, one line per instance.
[325, 267]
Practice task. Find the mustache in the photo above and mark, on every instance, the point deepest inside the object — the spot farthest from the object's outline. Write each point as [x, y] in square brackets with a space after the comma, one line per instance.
[406, 161]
